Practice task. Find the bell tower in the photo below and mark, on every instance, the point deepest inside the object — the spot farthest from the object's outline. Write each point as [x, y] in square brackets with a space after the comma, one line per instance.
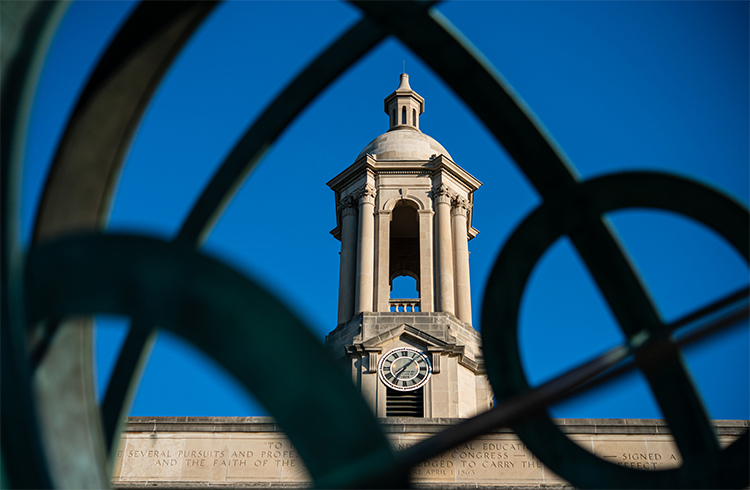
[404, 208]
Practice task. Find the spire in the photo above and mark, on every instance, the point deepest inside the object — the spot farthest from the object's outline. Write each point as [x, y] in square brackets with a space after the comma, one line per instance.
[403, 83]
[404, 106]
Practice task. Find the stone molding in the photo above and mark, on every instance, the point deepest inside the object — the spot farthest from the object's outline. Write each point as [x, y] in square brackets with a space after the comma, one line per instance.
[367, 168]
[409, 172]
[404, 195]
[422, 425]
[359, 349]
[352, 330]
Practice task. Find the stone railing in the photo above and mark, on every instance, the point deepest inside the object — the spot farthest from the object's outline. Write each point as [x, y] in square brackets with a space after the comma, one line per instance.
[404, 305]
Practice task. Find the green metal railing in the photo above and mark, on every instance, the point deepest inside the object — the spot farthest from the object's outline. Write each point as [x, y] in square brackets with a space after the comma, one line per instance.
[72, 270]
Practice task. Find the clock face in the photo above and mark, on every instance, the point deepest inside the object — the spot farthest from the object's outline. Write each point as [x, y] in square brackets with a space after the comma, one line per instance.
[404, 369]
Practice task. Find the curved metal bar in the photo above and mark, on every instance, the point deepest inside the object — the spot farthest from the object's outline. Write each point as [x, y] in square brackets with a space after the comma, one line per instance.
[182, 290]
[123, 382]
[320, 73]
[77, 192]
[78, 187]
[553, 219]
[77, 196]
[432, 37]
[735, 311]
[732, 310]
[23, 460]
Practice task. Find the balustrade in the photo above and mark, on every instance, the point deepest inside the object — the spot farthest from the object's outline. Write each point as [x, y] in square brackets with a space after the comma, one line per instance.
[404, 305]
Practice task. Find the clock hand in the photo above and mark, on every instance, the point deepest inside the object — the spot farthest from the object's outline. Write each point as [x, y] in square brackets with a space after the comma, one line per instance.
[403, 368]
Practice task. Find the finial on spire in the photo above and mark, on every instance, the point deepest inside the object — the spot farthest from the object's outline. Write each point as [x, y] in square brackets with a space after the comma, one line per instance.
[403, 83]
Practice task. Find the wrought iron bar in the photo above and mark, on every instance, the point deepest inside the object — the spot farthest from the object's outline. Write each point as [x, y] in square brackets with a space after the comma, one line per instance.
[617, 361]
[24, 462]
[338, 57]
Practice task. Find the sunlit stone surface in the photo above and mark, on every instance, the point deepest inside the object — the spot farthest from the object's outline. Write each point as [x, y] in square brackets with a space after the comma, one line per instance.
[215, 451]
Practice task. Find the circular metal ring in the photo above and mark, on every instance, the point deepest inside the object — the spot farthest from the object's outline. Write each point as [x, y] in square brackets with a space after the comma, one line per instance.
[572, 210]
[182, 290]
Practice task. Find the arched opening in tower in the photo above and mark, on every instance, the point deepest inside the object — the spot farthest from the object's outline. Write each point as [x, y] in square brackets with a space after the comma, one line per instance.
[404, 246]
[404, 287]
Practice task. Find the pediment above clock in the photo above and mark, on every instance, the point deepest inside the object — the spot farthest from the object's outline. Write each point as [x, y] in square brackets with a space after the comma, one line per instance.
[407, 334]
[411, 334]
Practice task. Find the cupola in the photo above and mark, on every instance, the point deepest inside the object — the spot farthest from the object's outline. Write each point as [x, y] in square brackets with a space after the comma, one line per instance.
[404, 106]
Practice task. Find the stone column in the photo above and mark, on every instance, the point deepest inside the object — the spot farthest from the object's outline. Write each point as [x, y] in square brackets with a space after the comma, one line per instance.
[461, 253]
[426, 301]
[383, 262]
[366, 250]
[348, 269]
[442, 198]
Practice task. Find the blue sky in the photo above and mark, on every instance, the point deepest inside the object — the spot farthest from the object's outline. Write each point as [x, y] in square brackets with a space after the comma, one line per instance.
[619, 86]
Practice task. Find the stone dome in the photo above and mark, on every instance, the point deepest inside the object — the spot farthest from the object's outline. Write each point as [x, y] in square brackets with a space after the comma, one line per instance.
[404, 143]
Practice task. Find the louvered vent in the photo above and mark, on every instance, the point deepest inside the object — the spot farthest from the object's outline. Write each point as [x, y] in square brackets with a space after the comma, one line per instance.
[404, 403]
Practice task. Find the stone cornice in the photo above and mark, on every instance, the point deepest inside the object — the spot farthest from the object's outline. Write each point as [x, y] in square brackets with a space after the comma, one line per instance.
[434, 165]
[351, 173]
[366, 167]
[426, 425]
[404, 93]
[441, 162]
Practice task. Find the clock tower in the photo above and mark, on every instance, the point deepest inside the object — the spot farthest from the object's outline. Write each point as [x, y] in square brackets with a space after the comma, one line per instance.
[404, 208]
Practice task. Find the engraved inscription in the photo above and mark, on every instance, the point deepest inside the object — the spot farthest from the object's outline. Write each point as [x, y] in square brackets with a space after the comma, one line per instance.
[492, 458]
[241, 457]
[268, 457]
[651, 453]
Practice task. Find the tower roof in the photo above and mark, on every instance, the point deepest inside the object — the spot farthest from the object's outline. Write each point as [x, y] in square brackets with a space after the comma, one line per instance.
[404, 140]
[404, 144]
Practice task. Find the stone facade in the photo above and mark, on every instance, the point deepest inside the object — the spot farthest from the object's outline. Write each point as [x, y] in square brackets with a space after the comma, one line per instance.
[180, 452]
[458, 386]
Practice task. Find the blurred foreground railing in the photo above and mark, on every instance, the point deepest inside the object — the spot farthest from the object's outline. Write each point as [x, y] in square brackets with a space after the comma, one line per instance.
[51, 425]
